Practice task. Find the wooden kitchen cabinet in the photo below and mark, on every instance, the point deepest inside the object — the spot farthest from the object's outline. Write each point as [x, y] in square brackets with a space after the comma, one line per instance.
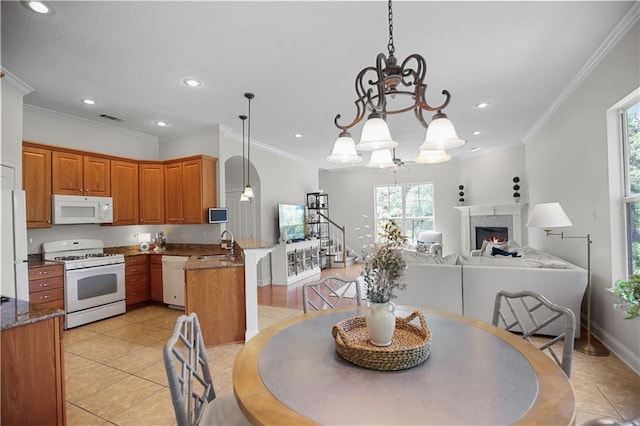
[36, 181]
[136, 276]
[190, 189]
[33, 374]
[75, 174]
[151, 195]
[155, 277]
[217, 296]
[124, 190]
[46, 286]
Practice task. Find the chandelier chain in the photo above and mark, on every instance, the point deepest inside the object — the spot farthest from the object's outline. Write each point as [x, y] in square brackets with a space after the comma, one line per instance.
[390, 45]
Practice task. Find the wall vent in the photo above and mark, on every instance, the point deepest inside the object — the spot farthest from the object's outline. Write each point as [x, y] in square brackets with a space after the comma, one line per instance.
[111, 117]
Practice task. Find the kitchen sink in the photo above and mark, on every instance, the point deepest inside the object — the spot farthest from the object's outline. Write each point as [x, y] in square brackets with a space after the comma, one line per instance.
[214, 257]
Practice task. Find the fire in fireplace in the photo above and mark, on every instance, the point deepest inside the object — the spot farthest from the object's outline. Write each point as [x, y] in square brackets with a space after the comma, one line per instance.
[490, 233]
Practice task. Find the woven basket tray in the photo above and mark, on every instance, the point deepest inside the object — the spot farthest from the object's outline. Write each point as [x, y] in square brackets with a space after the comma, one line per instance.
[409, 347]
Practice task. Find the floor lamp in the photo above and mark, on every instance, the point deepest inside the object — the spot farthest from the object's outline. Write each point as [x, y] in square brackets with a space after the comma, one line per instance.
[551, 215]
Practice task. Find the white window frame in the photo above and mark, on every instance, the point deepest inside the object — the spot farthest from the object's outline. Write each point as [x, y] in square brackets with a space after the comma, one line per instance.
[403, 219]
[628, 197]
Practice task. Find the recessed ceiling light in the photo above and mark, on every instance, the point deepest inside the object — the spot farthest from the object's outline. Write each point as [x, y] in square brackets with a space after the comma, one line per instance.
[192, 82]
[482, 104]
[297, 135]
[88, 102]
[477, 133]
[39, 7]
[162, 123]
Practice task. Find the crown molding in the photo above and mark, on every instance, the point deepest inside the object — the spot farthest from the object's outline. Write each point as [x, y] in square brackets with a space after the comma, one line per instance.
[625, 24]
[23, 87]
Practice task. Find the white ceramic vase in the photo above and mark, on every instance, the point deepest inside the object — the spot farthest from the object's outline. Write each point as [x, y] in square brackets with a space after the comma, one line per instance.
[381, 322]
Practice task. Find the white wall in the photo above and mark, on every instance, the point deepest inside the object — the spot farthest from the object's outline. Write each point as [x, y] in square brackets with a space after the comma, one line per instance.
[351, 191]
[52, 128]
[566, 161]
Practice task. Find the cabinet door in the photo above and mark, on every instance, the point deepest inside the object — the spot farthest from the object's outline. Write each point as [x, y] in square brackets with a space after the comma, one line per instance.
[151, 194]
[124, 177]
[155, 275]
[36, 181]
[192, 207]
[97, 181]
[67, 173]
[173, 211]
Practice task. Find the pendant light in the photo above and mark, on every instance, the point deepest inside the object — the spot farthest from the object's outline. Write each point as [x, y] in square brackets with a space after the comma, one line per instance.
[243, 197]
[248, 190]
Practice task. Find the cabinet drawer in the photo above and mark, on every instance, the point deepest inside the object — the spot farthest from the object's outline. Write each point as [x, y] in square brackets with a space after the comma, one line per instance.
[136, 279]
[135, 260]
[47, 296]
[135, 269]
[45, 272]
[46, 284]
[137, 293]
[155, 259]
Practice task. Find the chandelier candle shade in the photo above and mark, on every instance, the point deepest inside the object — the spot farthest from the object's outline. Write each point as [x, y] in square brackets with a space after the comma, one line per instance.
[380, 86]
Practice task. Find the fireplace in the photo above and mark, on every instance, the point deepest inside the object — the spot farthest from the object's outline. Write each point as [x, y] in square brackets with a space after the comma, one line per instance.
[491, 233]
[507, 216]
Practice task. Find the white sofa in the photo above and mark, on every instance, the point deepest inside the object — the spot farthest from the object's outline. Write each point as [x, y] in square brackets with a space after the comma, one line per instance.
[468, 285]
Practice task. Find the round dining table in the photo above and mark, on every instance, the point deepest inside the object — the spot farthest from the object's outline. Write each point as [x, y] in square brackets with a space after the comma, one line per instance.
[290, 373]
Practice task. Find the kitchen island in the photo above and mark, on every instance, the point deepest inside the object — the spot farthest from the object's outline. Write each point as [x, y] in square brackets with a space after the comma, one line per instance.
[31, 370]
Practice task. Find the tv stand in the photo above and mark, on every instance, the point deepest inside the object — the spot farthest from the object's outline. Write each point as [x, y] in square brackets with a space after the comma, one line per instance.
[295, 262]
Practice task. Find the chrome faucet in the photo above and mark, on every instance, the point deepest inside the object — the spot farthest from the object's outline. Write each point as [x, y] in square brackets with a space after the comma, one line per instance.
[231, 239]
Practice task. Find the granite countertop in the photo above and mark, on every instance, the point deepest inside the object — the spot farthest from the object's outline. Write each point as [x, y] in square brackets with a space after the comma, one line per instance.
[16, 313]
[250, 243]
[195, 262]
[40, 263]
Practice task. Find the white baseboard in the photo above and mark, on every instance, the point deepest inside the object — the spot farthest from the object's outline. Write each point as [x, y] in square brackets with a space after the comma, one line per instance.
[615, 346]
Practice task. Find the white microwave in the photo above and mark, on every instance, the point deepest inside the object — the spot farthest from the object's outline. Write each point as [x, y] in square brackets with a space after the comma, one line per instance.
[76, 209]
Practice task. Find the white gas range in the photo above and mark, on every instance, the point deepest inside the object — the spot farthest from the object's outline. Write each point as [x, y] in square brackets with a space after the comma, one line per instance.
[94, 285]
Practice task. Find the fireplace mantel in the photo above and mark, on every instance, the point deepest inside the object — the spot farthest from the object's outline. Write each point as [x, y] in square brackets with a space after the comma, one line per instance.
[466, 212]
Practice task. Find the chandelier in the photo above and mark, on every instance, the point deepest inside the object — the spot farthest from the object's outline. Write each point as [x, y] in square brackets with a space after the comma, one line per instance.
[392, 88]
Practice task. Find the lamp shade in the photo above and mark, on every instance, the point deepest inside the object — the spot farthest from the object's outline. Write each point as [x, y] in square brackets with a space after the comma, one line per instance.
[381, 158]
[248, 191]
[375, 135]
[244, 197]
[547, 216]
[344, 150]
[441, 134]
[432, 156]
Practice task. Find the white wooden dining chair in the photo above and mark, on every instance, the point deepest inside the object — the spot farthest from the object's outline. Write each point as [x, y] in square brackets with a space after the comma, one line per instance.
[534, 314]
[192, 393]
[331, 292]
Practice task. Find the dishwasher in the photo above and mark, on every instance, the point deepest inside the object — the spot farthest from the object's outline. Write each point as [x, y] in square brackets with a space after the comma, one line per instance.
[173, 280]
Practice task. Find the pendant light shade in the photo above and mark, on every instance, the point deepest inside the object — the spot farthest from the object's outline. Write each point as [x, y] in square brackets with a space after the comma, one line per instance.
[381, 159]
[344, 150]
[441, 134]
[375, 135]
[248, 192]
[242, 197]
[432, 156]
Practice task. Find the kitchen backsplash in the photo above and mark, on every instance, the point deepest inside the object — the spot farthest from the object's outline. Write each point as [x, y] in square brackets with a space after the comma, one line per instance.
[123, 235]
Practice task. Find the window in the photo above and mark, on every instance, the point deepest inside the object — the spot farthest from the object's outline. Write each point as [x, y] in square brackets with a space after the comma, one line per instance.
[410, 205]
[630, 118]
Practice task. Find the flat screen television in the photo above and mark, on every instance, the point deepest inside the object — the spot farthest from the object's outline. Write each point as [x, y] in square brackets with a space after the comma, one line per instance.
[291, 221]
[218, 215]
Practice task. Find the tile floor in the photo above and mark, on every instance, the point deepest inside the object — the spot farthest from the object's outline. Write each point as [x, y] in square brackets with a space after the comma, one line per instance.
[115, 373]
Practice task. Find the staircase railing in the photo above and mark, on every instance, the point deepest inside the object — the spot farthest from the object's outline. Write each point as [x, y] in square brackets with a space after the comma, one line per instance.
[336, 253]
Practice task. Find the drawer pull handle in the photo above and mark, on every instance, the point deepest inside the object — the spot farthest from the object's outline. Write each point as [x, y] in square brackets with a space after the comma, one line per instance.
[44, 297]
[44, 272]
[45, 284]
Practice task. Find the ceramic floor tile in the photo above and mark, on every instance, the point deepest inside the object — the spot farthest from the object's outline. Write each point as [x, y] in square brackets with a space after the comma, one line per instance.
[114, 399]
[100, 348]
[74, 364]
[137, 359]
[144, 314]
[76, 416]
[89, 381]
[155, 410]
[76, 334]
[155, 373]
[105, 325]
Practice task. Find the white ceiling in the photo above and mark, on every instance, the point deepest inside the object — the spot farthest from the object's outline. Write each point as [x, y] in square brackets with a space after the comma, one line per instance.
[300, 58]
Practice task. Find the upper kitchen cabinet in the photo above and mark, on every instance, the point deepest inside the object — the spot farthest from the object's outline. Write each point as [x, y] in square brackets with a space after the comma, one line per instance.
[190, 189]
[124, 190]
[151, 182]
[36, 181]
[75, 174]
